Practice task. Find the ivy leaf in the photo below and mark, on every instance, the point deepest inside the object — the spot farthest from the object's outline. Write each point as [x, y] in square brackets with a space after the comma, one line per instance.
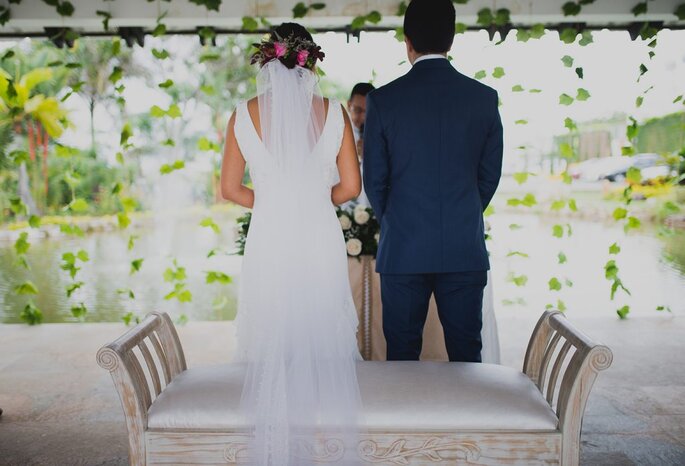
[401, 9]
[523, 35]
[521, 177]
[485, 17]
[582, 94]
[78, 205]
[208, 222]
[614, 249]
[374, 17]
[460, 28]
[251, 24]
[570, 9]
[634, 175]
[567, 61]
[568, 35]
[216, 276]
[557, 231]
[558, 205]
[498, 72]
[135, 265]
[619, 213]
[633, 222]
[586, 38]
[566, 150]
[579, 72]
[26, 288]
[299, 10]
[209, 4]
[638, 101]
[562, 258]
[73, 287]
[517, 88]
[535, 91]
[168, 168]
[664, 308]
[79, 311]
[518, 280]
[565, 99]
[21, 245]
[570, 124]
[610, 270]
[554, 284]
[115, 75]
[480, 74]
[639, 9]
[502, 16]
[166, 84]
[680, 12]
[572, 205]
[537, 31]
[518, 253]
[160, 54]
[521, 122]
[623, 312]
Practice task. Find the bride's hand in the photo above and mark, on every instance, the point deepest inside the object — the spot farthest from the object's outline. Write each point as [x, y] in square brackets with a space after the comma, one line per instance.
[350, 184]
[233, 170]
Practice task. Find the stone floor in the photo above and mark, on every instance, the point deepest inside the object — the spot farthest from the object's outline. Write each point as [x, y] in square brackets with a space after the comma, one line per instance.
[60, 407]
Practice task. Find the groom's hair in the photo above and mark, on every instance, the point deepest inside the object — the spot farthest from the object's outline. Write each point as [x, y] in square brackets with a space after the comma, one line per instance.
[361, 89]
[430, 25]
[287, 29]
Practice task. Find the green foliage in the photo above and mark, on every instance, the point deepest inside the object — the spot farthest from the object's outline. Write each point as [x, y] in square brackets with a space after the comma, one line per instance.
[300, 10]
[209, 4]
[623, 312]
[31, 314]
[486, 17]
[360, 21]
[214, 276]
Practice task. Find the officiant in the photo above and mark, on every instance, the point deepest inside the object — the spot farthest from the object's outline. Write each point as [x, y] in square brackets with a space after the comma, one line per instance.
[356, 107]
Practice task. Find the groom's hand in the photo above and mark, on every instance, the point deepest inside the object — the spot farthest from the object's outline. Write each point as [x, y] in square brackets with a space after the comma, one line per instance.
[490, 165]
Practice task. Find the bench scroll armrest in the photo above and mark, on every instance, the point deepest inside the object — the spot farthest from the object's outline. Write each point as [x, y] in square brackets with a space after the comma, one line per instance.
[563, 363]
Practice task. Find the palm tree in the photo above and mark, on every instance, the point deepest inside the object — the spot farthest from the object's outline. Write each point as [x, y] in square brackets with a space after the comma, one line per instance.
[28, 110]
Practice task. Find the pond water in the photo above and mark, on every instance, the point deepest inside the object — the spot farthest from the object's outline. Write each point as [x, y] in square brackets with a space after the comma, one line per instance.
[652, 267]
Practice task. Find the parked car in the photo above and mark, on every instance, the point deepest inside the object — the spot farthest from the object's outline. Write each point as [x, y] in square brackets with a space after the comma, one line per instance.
[640, 161]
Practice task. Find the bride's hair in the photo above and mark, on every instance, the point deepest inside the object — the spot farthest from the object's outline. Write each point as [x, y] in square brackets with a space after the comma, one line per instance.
[291, 44]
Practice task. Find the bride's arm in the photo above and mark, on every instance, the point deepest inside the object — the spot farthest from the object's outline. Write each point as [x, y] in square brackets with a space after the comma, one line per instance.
[233, 170]
[350, 184]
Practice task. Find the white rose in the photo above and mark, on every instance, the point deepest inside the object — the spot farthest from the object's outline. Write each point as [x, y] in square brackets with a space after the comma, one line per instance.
[345, 222]
[354, 247]
[361, 216]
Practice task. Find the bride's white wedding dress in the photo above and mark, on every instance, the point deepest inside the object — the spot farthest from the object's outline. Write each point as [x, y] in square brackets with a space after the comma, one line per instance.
[296, 321]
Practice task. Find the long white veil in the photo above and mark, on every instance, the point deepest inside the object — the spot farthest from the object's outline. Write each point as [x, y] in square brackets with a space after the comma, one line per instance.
[300, 390]
[291, 111]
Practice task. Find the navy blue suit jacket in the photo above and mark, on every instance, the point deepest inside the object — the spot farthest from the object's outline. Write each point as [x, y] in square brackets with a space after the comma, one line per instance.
[433, 145]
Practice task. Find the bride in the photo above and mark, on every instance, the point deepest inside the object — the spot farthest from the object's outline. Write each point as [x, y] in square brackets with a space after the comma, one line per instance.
[296, 321]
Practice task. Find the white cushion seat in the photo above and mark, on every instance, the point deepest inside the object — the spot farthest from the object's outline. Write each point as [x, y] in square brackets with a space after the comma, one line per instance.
[397, 396]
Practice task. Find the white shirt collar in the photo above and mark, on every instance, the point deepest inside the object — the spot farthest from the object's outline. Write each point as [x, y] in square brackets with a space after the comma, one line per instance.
[429, 56]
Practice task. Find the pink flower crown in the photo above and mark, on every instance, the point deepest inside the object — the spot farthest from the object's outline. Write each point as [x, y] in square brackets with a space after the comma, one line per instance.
[291, 51]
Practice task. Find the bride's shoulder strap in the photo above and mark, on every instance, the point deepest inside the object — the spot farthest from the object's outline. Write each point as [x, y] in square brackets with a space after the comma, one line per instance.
[338, 122]
[239, 128]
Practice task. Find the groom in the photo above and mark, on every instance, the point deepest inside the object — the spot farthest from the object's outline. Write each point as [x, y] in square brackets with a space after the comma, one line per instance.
[432, 161]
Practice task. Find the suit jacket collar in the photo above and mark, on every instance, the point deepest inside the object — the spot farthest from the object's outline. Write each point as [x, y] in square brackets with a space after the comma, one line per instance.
[432, 63]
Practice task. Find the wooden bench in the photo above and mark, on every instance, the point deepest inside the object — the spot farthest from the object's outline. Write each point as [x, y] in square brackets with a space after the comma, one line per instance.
[416, 412]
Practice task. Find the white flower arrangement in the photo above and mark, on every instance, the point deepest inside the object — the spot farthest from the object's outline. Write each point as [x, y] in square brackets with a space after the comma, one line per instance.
[360, 230]
[345, 221]
[354, 247]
